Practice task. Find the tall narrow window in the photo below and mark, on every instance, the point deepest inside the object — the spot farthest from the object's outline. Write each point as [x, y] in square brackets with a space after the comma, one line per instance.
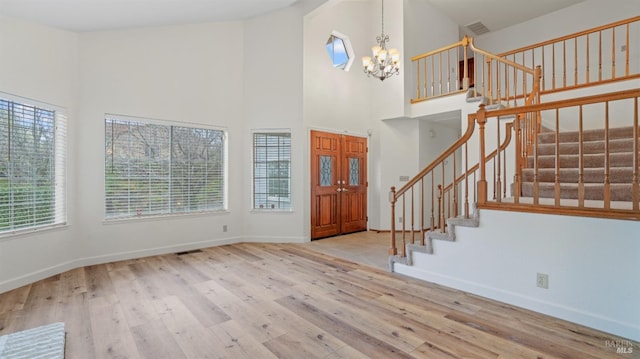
[32, 165]
[158, 169]
[272, 171]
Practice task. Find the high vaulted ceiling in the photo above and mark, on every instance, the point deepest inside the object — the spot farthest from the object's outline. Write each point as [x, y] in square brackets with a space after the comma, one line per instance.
[95, 15]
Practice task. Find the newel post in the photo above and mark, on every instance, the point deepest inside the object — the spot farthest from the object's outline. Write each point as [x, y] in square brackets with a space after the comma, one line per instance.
[392, 198]
[482, 182]
[465, 75]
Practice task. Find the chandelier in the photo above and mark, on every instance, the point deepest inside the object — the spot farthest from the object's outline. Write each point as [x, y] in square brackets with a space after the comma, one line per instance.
[385, 63]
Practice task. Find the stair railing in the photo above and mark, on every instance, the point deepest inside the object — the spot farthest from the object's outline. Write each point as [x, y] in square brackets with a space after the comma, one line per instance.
[586, 58]
[602, 184]
[433, 71]
[483, 74]
[447, 186]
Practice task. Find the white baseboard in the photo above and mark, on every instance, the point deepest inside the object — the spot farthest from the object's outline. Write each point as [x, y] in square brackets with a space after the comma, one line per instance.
[592, 320]
[112, 257]
[274, 239]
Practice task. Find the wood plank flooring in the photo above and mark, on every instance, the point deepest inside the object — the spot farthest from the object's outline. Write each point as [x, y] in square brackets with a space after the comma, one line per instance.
[283, 301]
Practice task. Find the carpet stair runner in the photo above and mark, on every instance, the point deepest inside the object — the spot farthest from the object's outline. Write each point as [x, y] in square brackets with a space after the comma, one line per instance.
[620, 165]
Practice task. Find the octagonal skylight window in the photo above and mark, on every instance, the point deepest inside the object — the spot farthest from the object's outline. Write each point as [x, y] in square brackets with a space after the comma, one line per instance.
[340, 50]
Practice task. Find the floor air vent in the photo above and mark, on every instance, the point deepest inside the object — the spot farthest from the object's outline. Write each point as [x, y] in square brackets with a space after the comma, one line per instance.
[189, 252]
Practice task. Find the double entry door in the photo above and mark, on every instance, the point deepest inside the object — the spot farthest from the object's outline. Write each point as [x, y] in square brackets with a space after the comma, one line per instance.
[338, 184]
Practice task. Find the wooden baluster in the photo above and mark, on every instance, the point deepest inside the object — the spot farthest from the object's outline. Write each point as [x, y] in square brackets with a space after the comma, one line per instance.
[424, 75]
[392, 198]
[557, 180]
[613, 53]
[404, 230]
[499, 82]
[448, 72]
[575, 61]
[599, 55]
[536, 182]
[489, 82]
[433, 220]
[418, 79]
[455, 188]
[544, 79]
[564, 63]
[607, 162]
[433, 74]
[444, 219]
[519, 161]
[553, 68]
[466, 180]
[422, 211]
[504, 169]
[588, 41]
[626, 71]
[636, 162]
[580, 158]
[498, 184]
[440, 72]
[507, 86]
[440, 207]
[482, 182]
[412, 215]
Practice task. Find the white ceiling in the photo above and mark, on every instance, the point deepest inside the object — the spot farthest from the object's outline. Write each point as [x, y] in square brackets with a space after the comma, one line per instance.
[94, 15]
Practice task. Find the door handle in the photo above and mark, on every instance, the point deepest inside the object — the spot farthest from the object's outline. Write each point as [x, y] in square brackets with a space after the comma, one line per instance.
[339, 190]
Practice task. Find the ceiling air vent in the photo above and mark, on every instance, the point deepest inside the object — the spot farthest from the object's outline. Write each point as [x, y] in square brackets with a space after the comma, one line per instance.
[477, 28]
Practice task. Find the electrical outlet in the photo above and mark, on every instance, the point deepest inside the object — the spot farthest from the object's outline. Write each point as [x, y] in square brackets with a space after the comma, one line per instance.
[224, 228]
[623, 48]
[542, 280]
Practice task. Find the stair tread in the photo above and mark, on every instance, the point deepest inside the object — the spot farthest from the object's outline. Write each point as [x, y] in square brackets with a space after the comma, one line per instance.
[587, 135]
[590, 175]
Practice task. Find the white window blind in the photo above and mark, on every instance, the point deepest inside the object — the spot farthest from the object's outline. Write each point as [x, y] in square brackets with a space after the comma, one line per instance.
[157, 169]
[32, 165]
[272, 170]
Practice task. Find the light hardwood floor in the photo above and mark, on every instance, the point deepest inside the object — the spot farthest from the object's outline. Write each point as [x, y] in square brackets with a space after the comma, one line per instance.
[285, 301]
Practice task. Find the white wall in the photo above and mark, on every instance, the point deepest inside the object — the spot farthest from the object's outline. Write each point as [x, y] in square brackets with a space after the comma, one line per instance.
[425, 29]
[591, 263]
[168, 73]
[273, 100]
[41, 63]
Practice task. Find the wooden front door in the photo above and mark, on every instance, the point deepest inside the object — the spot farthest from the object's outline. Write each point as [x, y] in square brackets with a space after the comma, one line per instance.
[338, 184]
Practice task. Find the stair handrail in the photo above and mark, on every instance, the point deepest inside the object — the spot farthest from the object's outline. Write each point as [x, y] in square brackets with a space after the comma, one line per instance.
[461, 80]
[581, 73]
[483, 74]
[483, 116]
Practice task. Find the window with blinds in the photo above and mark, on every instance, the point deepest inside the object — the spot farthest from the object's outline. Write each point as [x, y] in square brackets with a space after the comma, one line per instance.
[272, 170]
[32, 165]
[158, 169]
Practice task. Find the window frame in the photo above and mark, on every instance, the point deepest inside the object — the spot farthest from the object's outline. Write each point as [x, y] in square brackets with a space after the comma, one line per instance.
[59, 157]
[271, 131]
[168, 213]
[346, 41]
